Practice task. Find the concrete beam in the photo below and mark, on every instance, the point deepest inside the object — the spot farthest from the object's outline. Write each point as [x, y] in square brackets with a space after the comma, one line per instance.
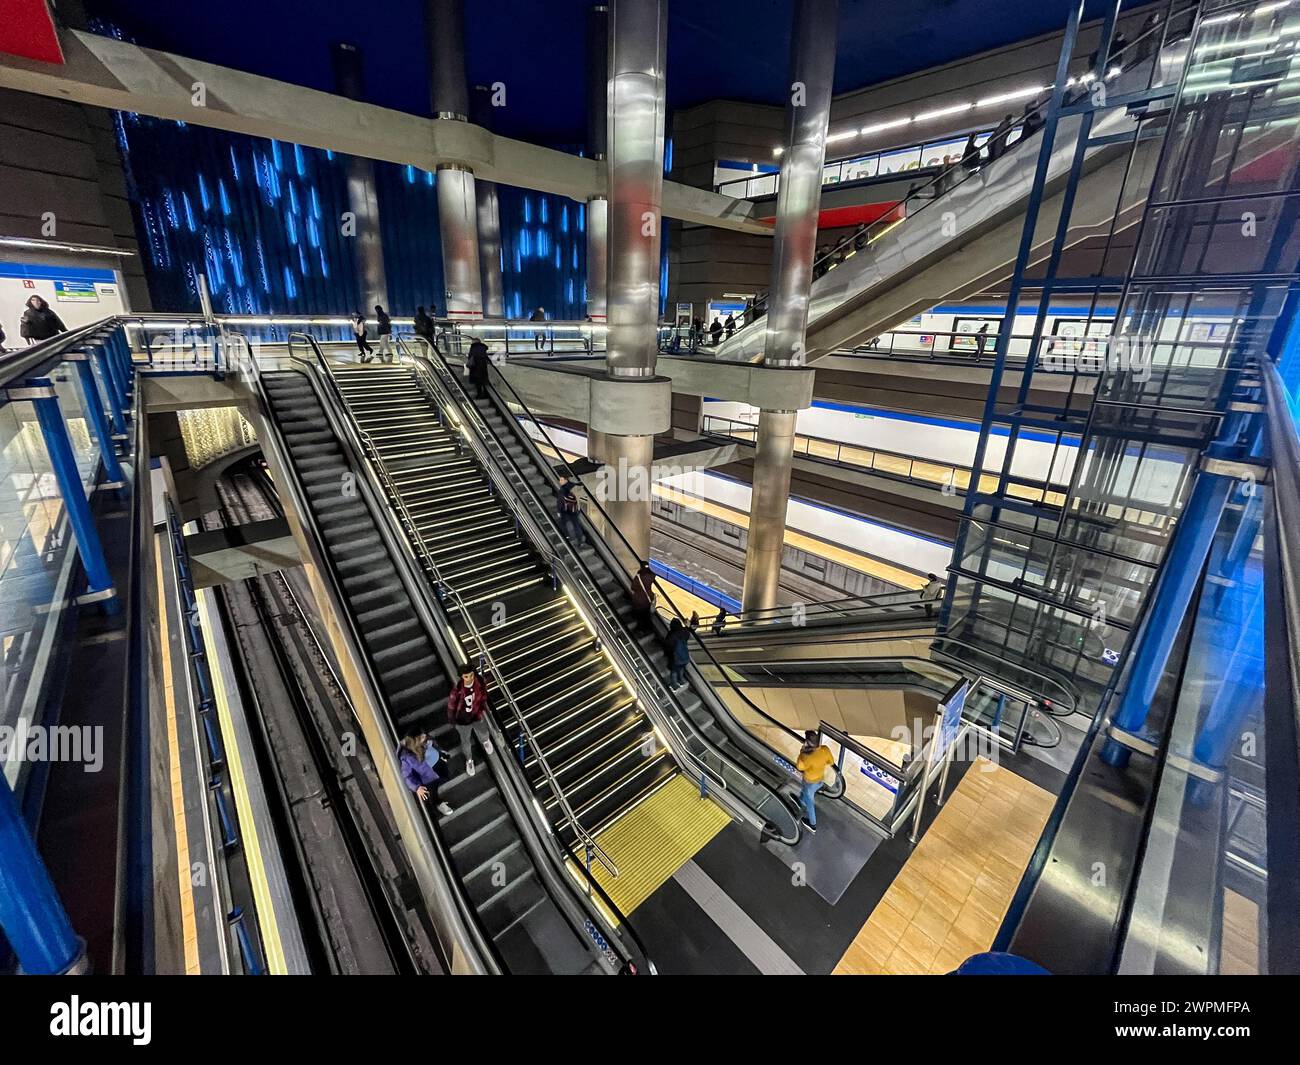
[241, 552]
[585, 393]
[104, 72]
[172, 392]
[765, 387]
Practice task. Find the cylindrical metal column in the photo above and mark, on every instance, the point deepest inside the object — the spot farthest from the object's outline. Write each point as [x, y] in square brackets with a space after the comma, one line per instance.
[597, 257]
[773, 461]
[812, 73]
[489, 220]
[105, 365]
[458, 227]
[444, 23]
[625, 490]
[798, 201]
[638, 33]
[363, 199]
[31, 914]
[597, 141]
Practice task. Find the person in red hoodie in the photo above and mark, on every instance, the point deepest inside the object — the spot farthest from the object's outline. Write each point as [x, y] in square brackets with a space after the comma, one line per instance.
[467, 707]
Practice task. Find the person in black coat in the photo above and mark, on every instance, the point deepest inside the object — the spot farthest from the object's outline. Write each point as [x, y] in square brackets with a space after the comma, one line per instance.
[479, 361]
[40, 322]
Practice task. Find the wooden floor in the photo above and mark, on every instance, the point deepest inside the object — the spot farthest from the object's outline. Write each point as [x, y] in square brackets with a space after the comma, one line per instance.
[951, 896]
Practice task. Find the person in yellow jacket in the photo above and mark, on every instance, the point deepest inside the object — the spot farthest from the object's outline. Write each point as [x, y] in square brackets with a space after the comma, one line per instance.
[814, 759]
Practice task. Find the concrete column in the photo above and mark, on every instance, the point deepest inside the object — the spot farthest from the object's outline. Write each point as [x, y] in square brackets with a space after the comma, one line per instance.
[597, 141]
[773, 461]
[363, 199]
[812, 72]
[489, 220]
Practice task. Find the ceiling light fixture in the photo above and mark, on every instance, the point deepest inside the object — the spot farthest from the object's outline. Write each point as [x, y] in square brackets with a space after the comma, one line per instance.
[1007, 97]
[879, 126]
[943, 112]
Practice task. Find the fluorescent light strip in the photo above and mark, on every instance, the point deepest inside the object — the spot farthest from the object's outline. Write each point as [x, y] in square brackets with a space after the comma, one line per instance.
[1006, 97]
[880, 126]
[943, 112]
[843, 136]
[55, 245]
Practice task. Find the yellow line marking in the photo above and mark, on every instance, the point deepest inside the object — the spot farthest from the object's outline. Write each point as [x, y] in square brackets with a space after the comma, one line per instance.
[266, 917]
[189, 932]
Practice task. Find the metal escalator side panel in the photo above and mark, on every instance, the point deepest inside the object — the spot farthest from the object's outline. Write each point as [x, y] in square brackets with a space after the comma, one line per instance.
[463, 944]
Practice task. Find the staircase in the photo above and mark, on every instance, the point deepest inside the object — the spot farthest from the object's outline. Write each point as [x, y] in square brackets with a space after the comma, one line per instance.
[601, 749]
[515, 911]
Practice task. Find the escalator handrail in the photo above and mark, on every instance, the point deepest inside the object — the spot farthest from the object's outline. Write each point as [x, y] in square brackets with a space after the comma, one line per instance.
[653, 691]
[1072, 697]
[880, 226]
[383, 476]
[610, 525]
[466, 935]
[622, 921]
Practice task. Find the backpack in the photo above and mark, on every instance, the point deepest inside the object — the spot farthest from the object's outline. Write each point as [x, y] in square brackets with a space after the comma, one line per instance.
[569, 502]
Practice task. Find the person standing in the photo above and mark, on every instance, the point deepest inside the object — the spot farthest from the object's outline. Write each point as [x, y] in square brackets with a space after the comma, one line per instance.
[364, 351]
[539, 337]
[981, 338]
[423, 324]
[715, 332]
[813, 761]
[478, 362]
[567, 509]
[730, 325]
[970, 155]
[385, 332]
[467, 707]
[998, 138]
[39, 322]
[931, 593]
[720, 622]
[678, 651]
[643, 596]
[418, 757]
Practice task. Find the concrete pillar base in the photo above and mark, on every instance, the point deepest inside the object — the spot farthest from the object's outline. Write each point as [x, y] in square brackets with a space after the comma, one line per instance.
[624, 490]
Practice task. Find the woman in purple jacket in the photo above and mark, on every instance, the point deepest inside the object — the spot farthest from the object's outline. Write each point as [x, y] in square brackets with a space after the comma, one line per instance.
[418, 757]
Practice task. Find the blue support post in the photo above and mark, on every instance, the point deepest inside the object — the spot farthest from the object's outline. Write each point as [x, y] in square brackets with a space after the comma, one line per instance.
[95, 412]
[1179, 577]
[114, 366]
[110, 387]
[64, 464]
[31, 914]
[117, 338]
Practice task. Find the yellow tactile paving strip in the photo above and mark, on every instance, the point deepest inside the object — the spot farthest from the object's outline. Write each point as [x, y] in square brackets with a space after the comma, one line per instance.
[655, 840]
[189, 931]
[951, 896]
[853, 559]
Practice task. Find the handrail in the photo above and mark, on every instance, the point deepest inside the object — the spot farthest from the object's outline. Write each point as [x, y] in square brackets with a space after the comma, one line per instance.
[611, 525]
[656, 695]
[940, 183]
[443, 589]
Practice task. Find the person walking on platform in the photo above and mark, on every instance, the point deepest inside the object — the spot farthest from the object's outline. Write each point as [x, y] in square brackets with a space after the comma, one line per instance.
[715, 332]
[39, 322]
[477, 363]
[643, 596]
[364, 351]
[730, 325]
[931, 593]
[467, 707]
[567, 509]
[981, 338]
[419, 757]
[385, 331]
[813, 761]
[539, 337]
[677, 648]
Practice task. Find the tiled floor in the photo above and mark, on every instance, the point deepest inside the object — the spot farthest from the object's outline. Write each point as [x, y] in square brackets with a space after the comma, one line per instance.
[950, 897]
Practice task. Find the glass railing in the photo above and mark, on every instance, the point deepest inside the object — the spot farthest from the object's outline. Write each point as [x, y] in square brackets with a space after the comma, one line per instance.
[950, 478]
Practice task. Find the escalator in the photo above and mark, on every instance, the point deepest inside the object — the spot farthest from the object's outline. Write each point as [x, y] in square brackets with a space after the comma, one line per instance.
[502, 902]
[600, 746]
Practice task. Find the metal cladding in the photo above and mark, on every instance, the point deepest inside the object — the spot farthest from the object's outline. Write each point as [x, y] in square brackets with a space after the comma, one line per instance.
[458, 223]
[812, 72]
[363, 199]
[445, 25]
[489, 249]
[597, 80]
[773, 452]
[597, 257]
[636, 104]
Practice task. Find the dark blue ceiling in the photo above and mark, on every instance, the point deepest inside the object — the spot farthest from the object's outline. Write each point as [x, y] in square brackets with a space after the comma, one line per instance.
[734, 49]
